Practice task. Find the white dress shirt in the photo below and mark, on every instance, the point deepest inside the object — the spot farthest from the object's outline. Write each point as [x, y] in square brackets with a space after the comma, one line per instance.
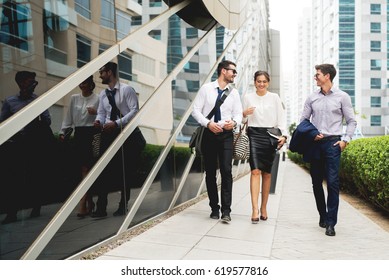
[126, 100]
[231, 109]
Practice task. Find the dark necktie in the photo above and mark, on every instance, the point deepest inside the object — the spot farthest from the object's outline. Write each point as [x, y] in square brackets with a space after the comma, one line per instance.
[111, 99]
[218, 116]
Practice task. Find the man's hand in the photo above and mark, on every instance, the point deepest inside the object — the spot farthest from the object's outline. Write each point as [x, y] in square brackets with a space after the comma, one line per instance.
[318, 137]
[109, 127]
[341, 144]
[229, 125]
[214, 127]
[97, 124]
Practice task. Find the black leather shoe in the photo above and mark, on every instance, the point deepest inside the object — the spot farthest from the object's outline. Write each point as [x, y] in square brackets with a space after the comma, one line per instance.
[226, 218]
[322, 222]
[35, 212]
[330, 231]
[214, 215]
[9, 219]
[99, 214]
[120, 212]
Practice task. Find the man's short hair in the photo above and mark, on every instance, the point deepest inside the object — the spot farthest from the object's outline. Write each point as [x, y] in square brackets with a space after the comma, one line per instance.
[24, 75]
[110, 66]
[327, 69]
[223, 65]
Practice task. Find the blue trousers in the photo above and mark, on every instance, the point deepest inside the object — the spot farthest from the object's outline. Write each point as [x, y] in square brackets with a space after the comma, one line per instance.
[326, 168]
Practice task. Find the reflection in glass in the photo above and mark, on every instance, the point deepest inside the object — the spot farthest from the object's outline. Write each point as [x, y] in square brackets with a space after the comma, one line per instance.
[16, 26]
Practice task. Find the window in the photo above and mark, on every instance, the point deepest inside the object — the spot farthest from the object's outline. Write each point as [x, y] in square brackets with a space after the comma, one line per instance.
[54, 35]
[375, 9]
[375, 120]
[136, 21]
[375, 46]
[125, 66]
[102, 48]
[191, 33]
[375, 83]
[16, 26]
[375, 64]
[123, 24]
[83, 51]
[375, 101]
[107, 14]
[156, 34]
[83, 8]
[155, 3]
[375, 27]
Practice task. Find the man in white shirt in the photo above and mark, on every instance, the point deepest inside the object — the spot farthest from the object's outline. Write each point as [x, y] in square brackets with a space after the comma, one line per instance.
[218, 135]
[117, 106]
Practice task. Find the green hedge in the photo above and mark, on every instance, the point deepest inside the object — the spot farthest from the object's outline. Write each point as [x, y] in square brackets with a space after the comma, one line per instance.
[364, 169]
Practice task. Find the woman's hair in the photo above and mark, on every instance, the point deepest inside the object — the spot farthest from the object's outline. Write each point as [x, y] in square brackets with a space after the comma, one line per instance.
[90, 81]
[261, 73]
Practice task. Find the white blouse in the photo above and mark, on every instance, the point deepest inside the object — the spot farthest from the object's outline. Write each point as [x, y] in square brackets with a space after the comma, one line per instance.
[77, 114]
[269, 111]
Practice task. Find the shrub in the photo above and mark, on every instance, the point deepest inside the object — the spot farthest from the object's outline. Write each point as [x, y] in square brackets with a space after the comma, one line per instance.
[364, 166]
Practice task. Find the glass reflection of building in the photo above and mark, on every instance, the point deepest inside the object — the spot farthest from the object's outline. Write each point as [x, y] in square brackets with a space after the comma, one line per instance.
[163, 57]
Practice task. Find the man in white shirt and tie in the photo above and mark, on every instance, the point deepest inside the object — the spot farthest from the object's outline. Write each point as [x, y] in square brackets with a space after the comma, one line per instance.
[218, 135]
[118, 105]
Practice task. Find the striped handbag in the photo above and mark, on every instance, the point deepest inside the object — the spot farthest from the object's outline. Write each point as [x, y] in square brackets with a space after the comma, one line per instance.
[241, 145]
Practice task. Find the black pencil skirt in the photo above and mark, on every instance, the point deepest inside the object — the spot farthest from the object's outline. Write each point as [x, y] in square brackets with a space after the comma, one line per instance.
[262, 152]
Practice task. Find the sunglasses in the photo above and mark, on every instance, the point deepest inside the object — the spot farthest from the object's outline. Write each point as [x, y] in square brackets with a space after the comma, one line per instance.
[233, 70]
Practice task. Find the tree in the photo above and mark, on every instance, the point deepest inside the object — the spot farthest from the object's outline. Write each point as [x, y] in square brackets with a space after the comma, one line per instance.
[292, 128]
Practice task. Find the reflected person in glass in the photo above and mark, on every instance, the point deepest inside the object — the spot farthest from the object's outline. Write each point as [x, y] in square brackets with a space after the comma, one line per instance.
[81, 114]
[117, 106]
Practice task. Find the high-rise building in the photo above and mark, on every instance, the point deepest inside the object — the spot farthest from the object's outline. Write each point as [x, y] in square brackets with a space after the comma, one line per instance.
[353, 35]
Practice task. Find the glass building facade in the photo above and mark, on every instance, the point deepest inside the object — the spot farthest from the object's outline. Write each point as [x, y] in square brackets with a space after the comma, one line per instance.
[163, 57]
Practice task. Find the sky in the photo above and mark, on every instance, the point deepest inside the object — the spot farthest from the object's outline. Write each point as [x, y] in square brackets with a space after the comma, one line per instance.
[284, 16]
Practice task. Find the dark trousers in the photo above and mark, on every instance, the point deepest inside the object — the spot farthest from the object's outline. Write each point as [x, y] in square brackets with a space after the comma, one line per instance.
[122, 168]
[218, 152]
[327, 167]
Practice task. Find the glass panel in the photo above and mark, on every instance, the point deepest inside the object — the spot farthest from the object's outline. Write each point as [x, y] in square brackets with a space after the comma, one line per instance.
[375, 46]
[375, 27]
[155, 3]
[49, 173]
[83, 51]
[16, 24]
[375, 9]
[375, 120]
[123, 24]
[375, 64]
[375, 83]
[83, 8]
[375, 101]
[107, 14]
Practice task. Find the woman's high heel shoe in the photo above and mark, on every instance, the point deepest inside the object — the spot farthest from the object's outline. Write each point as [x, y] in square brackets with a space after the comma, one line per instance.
[263, 218]
[255, 220]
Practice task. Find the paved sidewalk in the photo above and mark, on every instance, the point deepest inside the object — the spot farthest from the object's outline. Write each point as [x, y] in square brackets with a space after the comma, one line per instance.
[291, 232]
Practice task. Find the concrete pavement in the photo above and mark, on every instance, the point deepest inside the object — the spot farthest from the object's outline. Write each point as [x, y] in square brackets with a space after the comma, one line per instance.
[291, 232]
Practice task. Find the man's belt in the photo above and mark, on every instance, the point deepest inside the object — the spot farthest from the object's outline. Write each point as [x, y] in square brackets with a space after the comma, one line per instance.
[330, 138]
